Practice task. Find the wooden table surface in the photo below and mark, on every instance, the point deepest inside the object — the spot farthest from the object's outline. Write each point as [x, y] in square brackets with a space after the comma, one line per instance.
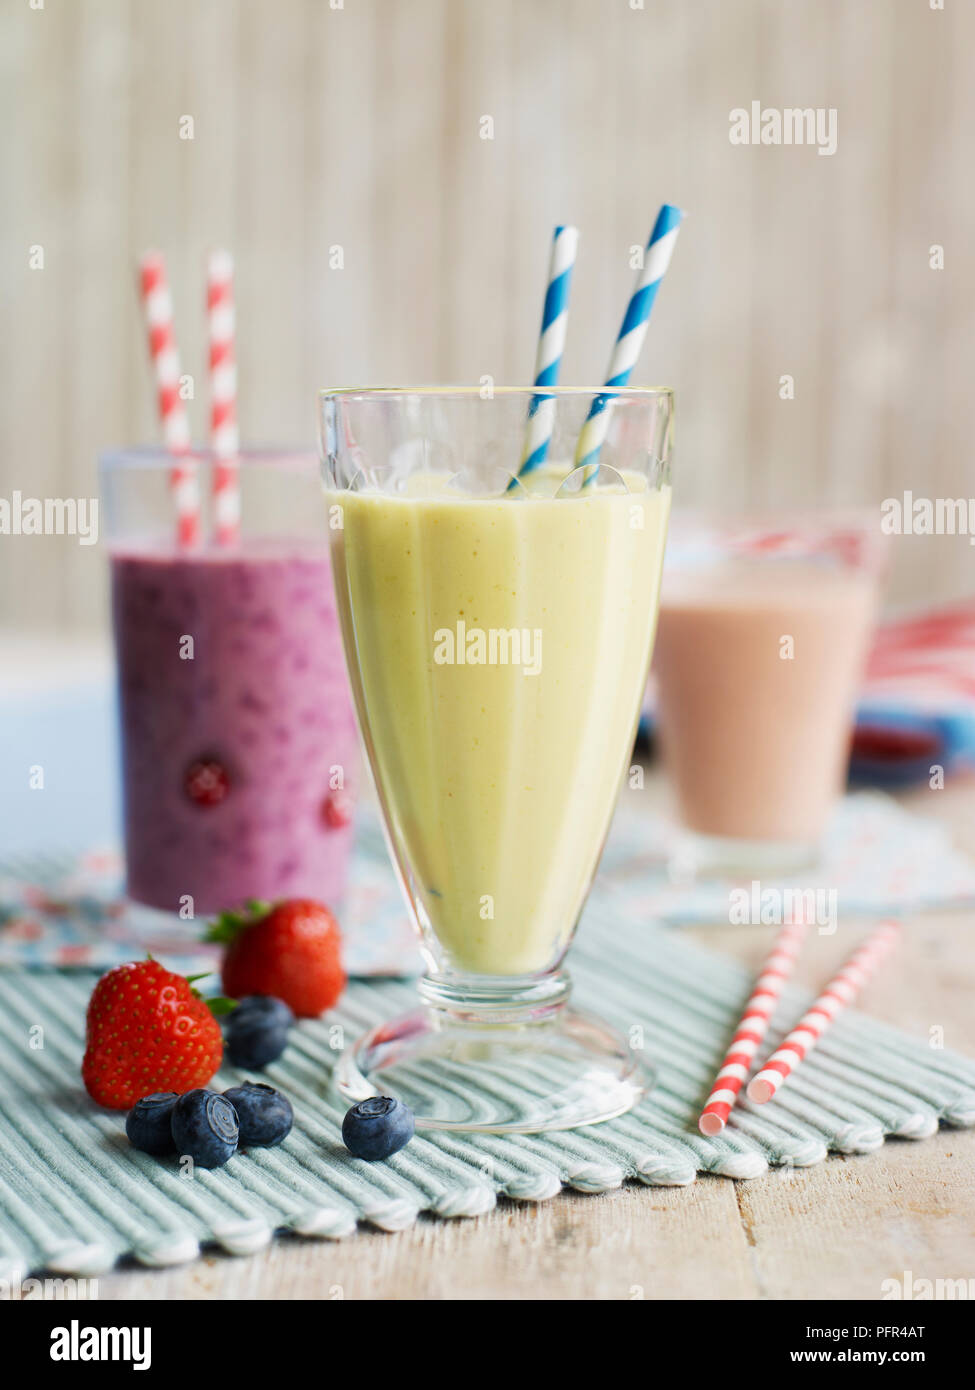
[834, 1231]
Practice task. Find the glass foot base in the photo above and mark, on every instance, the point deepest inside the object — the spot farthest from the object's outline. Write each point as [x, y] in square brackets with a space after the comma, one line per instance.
[712, 856]
[566, 1070]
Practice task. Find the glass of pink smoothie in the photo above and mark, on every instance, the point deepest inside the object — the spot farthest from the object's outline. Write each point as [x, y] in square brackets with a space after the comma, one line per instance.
[238, 741]
[763, 637]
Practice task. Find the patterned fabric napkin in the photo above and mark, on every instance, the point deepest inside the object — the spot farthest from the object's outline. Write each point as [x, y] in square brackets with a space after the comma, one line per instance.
[75, 1197]
[878, 860]
[917, 706]
[68, 910]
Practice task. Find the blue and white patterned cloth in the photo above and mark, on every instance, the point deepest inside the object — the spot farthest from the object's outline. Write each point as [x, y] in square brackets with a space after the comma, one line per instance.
[75, 1197]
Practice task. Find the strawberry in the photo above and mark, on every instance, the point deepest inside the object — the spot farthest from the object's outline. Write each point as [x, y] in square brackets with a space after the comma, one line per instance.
[147, 1031]
[290, 951]
[206, 782]
[337, 810]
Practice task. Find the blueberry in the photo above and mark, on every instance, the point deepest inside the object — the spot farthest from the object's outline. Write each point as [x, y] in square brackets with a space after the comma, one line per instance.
[148, 1123]
[266, 1008]
[257, 1031]
[252, 1049]
[205, 1128]
[377, 1127]
[264, 1114]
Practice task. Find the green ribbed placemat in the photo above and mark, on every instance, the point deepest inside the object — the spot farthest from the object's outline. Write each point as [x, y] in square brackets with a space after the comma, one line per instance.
[74, 1197]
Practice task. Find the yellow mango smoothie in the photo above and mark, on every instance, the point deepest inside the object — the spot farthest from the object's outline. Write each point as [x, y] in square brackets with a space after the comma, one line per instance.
[499, 649]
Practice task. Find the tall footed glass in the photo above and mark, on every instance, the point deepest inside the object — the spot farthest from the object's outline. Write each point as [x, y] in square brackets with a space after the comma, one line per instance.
[498, 629]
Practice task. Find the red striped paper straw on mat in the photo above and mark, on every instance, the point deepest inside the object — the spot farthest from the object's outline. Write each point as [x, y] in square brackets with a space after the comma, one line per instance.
[158, 306]
[224, 433]
[842, 989]
[751, 1028]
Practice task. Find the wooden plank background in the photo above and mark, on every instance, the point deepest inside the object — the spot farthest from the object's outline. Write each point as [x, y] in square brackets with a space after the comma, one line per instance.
[358, 126]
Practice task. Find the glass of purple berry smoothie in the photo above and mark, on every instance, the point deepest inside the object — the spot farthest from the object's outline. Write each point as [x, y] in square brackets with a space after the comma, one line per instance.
[239, 747]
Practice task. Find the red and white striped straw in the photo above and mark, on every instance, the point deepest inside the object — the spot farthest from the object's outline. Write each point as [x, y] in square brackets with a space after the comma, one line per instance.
[224, 433]
[752, 1027]
[158, 306]
[842, 989]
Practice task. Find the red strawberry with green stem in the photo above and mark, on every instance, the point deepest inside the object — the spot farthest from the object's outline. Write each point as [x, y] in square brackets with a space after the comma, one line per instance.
[291, 950]
[147, 1030]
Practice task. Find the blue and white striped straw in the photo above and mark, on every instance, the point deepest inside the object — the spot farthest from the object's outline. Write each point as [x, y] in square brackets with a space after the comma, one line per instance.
[629, 340]
[551, 344]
